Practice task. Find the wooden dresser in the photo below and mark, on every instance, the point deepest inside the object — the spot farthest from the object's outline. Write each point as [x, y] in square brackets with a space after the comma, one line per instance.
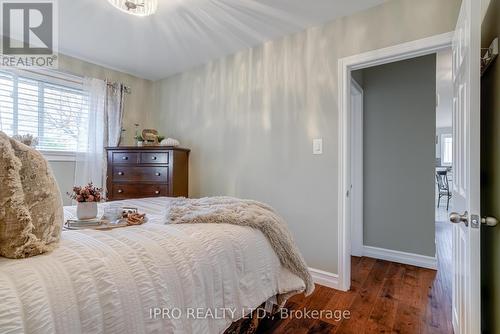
[150, 171]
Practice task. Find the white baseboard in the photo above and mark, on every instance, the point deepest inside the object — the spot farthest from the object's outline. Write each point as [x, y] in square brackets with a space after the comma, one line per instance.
[401, 257]
[325, 278]
[331, 280]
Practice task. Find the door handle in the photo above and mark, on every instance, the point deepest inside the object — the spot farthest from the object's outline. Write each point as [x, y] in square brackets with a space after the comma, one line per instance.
[489, 221]
[457, 218]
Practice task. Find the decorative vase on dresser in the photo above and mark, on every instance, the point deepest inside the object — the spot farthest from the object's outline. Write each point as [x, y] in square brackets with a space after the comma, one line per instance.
[149, 171]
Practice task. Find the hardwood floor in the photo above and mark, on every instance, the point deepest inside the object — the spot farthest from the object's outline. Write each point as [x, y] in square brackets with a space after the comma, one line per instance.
[385, 297]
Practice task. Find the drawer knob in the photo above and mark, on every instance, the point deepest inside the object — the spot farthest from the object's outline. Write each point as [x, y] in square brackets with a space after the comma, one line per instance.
[157, 192]
[158, 174]
[120, 173]
[120, 191]
[154, 158]
[124, 158]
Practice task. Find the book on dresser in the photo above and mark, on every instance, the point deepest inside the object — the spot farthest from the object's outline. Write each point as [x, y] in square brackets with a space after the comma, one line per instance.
[149, 171]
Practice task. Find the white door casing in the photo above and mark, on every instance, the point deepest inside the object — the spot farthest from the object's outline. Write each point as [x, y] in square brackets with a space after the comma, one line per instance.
[386, 55]
[356, 169]
[466, 299]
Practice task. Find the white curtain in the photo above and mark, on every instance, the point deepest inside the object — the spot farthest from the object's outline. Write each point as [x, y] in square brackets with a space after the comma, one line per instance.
[102, 127]
[90, 163]
[114, 110]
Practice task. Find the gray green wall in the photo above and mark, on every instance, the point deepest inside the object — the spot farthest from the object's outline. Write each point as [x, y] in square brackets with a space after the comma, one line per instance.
[399, 127]
[490, 165]
[250, 118]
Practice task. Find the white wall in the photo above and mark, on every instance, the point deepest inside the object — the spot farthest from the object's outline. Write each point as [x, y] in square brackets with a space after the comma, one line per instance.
[250, 118]
[444, 89]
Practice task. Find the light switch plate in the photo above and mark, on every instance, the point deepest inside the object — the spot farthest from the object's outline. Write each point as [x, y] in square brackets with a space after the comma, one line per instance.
[318, 146]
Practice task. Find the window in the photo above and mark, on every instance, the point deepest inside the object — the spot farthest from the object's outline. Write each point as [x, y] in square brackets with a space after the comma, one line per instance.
[446, 149]
[46, 106]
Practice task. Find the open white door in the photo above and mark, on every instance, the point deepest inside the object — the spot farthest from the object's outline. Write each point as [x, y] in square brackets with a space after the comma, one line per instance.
[466, 170]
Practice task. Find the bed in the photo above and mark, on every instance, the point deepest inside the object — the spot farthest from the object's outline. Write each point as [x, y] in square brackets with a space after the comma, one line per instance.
[153, 278]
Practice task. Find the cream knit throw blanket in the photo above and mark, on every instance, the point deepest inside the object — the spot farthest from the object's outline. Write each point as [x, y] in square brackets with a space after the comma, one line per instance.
[229, 210]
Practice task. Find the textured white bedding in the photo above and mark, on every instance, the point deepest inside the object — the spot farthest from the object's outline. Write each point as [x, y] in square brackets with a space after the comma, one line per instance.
[112, 281]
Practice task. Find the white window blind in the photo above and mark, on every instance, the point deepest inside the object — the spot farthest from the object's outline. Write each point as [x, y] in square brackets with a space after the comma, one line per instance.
[44, 107]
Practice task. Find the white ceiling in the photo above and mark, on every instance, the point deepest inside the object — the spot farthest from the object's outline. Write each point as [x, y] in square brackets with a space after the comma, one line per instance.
[185, 33]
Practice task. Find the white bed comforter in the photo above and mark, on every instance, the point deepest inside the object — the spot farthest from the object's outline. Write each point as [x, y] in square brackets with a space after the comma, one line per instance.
[114, 281]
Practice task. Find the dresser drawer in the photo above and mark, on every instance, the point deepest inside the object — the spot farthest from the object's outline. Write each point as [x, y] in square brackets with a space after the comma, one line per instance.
[140, 174]
[123, 191]
[125, 157]
[154, 158]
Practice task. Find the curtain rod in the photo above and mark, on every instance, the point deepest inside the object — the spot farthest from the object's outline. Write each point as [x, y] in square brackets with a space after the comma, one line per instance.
[126, 88]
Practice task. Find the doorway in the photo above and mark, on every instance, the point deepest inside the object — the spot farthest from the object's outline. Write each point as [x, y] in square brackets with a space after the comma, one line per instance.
[348, 65]
[398, 149]
[391, 129]
[395, 171]
[444, 135]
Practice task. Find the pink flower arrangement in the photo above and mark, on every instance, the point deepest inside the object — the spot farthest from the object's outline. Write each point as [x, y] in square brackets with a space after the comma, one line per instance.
[88, 193]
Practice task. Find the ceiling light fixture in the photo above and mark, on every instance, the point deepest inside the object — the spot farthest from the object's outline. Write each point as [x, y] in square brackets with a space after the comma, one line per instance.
[136, 7]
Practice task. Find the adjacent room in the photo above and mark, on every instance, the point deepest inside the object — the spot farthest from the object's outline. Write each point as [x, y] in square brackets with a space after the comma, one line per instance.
[444, 136]
[242, 166]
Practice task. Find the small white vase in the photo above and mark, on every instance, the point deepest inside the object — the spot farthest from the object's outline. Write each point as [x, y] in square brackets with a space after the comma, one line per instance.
[86, 210]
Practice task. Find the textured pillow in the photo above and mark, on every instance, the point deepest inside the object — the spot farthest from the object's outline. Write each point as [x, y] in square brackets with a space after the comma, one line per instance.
[31, 213]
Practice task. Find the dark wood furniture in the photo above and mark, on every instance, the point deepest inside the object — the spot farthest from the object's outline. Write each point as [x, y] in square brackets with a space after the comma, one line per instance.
[150, 171]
